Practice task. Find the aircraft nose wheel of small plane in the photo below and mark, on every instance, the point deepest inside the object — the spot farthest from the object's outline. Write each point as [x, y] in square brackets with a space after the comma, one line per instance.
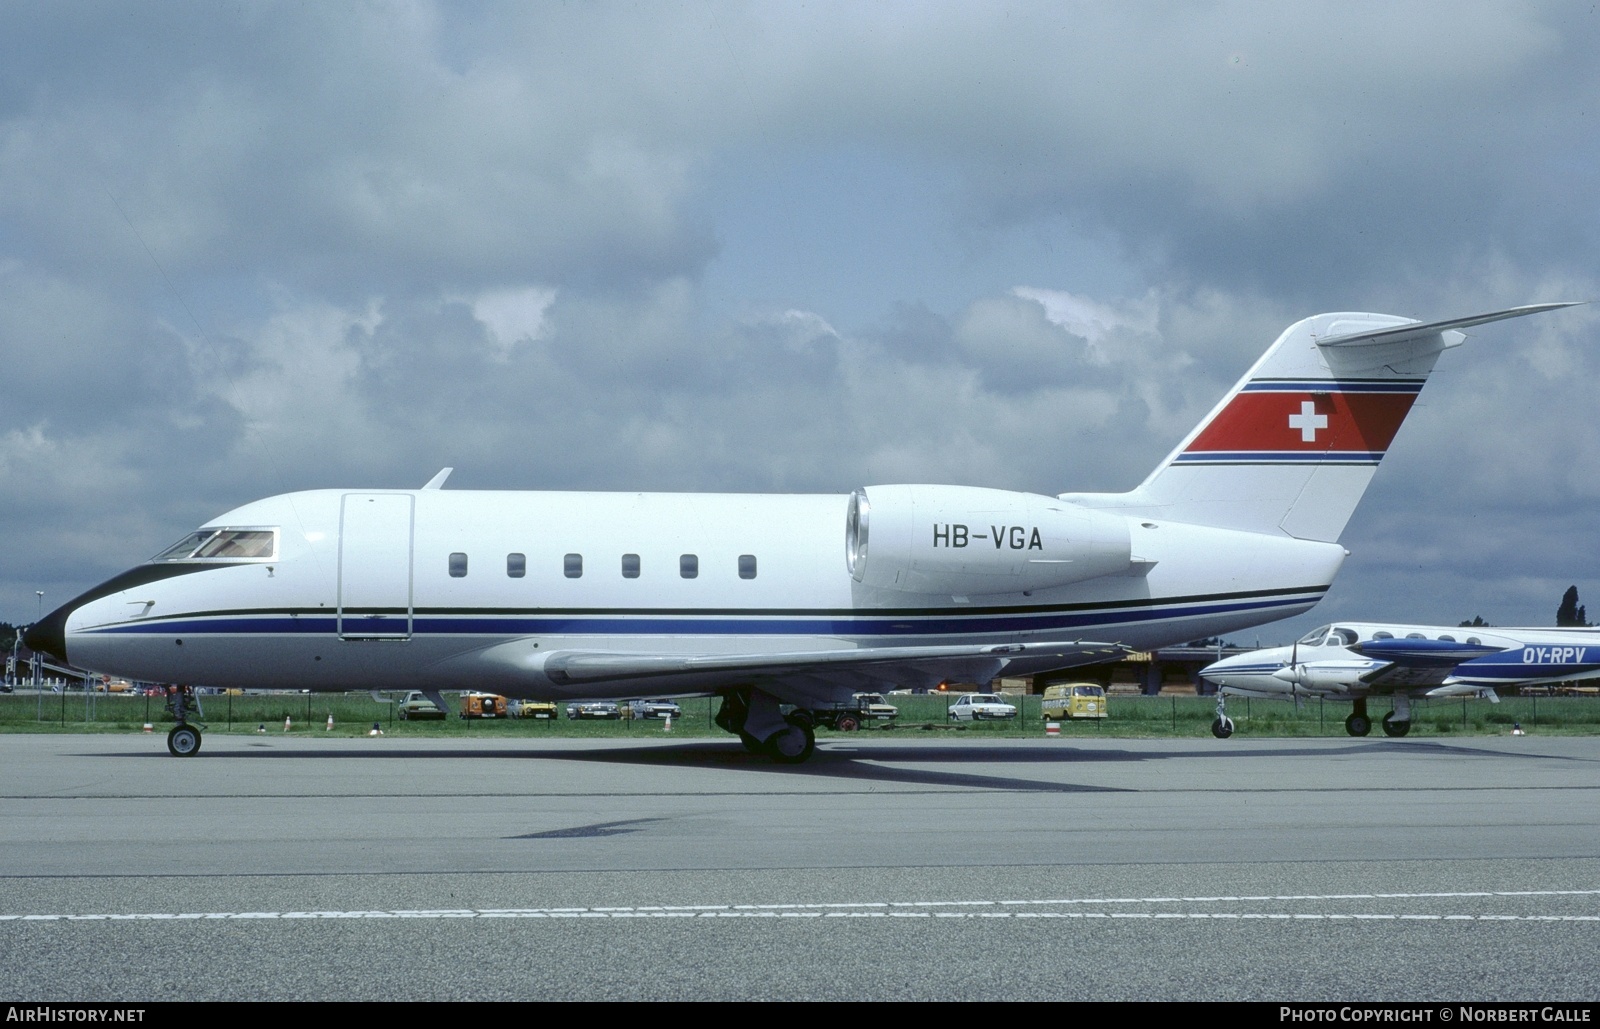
[1358, 725]
[1222, 728]
[183, 741]
[1393, 726]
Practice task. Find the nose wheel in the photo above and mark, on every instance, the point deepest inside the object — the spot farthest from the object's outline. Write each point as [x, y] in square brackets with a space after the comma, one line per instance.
[183, 741]
[1222, 726]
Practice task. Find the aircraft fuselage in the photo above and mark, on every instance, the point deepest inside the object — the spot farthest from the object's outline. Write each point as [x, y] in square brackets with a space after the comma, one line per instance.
[406, 589]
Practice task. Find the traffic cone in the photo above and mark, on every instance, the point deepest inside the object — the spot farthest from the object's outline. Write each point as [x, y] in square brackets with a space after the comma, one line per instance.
[286, 723]
[377, 730]
[666, 726]
[261, 727]
[330, 721]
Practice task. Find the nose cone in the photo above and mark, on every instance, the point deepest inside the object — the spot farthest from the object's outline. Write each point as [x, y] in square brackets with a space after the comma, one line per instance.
[49, 634]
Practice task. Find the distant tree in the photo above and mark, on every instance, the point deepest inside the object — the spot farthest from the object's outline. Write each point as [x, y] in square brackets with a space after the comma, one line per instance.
[1476, 623]
[1571, 613]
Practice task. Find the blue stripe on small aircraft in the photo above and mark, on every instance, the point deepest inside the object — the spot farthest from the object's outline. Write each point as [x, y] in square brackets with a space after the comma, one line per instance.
[1542, 662]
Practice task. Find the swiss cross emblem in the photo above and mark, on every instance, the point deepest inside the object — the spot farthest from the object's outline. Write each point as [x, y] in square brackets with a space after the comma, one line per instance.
[1308, 421]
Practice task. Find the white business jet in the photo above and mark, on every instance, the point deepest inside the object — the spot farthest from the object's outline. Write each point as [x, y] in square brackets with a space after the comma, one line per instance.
[1356, 660]
[775, 602]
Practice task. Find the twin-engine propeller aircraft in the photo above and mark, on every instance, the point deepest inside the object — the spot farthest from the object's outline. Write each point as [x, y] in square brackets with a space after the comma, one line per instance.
[780, 600]
[1356, 660]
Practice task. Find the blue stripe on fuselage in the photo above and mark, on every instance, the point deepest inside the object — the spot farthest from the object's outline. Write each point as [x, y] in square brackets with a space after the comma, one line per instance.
[752, 623]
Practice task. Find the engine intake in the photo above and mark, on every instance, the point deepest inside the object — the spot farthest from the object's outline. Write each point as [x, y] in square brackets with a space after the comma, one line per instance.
[965, 540]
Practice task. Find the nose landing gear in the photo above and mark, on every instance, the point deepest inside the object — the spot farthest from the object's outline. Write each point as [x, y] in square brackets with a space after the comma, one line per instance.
[1222, 726]
[184, 739]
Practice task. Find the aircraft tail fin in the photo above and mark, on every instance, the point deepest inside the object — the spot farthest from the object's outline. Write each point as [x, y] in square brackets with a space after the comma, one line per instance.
[1291, 448]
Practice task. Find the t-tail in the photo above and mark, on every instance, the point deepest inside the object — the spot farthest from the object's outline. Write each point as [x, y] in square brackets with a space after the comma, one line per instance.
[1292, 447]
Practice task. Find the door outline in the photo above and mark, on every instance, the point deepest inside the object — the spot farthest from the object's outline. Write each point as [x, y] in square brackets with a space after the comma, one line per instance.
[376, 576]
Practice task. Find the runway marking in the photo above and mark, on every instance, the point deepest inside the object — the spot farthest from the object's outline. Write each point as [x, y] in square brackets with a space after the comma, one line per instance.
[959, 909]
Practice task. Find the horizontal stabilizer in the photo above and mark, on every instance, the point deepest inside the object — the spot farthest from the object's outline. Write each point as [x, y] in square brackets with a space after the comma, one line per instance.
[1416, 330]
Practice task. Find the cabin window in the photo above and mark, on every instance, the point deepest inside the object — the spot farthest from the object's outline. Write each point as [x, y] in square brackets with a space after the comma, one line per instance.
[1447, 639]
[688, 565]
[1415, 636]
[630, 566]
[1474, 641]
[458, 565]
[747, 566]
[1383, 635]
[516, 565]
[572, 566]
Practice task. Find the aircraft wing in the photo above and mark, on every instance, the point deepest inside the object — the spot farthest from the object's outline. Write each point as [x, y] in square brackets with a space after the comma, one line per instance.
[1416, 663]
[794, 675]
[570, 666]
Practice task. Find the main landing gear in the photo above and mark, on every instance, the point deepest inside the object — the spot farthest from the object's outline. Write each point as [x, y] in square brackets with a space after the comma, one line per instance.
[763, 728]
[184, 739]
[1398, 722]
[1358, 724]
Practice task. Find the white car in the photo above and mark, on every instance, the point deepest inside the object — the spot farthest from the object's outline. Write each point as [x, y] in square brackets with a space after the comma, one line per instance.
[980, 707]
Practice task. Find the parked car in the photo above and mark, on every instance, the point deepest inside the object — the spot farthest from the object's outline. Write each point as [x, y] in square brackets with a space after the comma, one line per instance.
[594, 709]
[532, 709]
[862, 708]
[1073, 700]
[980, 707]
[483, 705]
[653, 709]
[416, 706]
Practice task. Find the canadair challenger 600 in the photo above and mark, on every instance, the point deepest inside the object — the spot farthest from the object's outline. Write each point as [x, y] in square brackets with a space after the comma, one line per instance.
[779, 604]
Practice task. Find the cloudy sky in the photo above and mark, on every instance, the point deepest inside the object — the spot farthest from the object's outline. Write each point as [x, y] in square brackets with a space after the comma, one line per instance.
[249, 248]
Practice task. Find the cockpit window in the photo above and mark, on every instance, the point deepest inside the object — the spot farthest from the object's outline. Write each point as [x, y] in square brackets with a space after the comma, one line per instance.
[1341, 637]
[1314, 637]
[224, 545]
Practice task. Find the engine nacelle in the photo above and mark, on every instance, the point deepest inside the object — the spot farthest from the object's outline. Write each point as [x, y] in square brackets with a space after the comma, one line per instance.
[964, 540]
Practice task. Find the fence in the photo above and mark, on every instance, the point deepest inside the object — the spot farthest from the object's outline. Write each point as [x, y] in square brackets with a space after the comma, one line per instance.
[354, 713]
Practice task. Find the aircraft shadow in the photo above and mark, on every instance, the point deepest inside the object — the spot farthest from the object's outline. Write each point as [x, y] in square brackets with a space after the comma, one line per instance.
[862, 761]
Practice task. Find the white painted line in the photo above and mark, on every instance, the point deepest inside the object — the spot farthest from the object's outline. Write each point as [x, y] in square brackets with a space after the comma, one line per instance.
[1031, 908]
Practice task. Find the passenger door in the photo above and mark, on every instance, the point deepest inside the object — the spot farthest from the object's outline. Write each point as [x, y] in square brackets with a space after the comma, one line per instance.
[375, 537]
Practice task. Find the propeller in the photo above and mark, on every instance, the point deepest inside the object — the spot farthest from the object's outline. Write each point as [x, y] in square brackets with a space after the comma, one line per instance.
[1292, 674]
